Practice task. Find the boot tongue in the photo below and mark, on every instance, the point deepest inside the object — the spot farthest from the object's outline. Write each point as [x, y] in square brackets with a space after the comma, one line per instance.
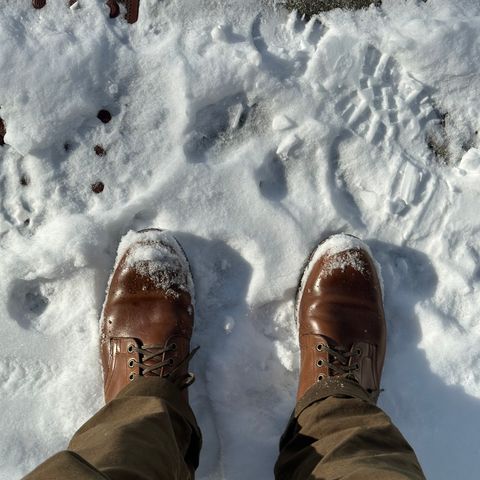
[338, 359]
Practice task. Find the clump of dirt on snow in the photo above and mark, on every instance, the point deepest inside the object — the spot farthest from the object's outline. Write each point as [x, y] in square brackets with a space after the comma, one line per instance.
[3, 131]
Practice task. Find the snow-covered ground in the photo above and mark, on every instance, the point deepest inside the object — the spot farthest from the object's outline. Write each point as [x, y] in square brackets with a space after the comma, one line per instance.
[251, 135]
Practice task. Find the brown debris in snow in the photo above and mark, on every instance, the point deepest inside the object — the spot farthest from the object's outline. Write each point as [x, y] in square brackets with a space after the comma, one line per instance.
[104, 116]
[100, 151]
[98, 187]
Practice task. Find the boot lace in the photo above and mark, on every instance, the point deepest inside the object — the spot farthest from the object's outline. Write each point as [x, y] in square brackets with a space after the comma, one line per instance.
[151, 352]
[341, 357]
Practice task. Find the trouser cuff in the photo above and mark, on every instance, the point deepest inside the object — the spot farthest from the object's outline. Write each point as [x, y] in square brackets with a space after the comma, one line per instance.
[153, 387]
[170, 393]
[331, 387]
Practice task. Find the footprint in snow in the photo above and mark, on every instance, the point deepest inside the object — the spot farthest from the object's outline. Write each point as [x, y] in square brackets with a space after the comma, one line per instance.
[16, 210]
[384, 101]
[215, 125]
[271, 178]
[286, 48]
[385, 107]
[28, 300]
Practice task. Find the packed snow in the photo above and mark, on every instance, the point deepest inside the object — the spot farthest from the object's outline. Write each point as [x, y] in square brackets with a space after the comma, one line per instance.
[251, 135]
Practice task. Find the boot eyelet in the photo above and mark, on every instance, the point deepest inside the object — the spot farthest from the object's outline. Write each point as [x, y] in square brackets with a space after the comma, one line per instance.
[170, 362]
[131, 376]
[131, 363]
[320, 378]
[358, 351]
[356, 366]
[320, 347]
[173, 346]
[130, 348]
[320, 363]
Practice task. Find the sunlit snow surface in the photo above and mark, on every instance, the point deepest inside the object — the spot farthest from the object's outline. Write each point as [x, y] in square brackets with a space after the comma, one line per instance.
[252, 136]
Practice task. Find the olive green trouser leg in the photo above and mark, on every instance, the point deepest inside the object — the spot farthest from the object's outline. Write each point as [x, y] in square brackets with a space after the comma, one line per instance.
[335, 432]
[147, 433]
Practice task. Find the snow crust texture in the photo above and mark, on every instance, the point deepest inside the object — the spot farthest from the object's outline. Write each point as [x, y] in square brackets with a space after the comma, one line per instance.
[251, 135]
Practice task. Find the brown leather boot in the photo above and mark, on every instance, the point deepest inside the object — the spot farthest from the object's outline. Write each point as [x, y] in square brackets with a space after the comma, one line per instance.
[342, 330]
[147, 318]
[132, 6]
[39, 3]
